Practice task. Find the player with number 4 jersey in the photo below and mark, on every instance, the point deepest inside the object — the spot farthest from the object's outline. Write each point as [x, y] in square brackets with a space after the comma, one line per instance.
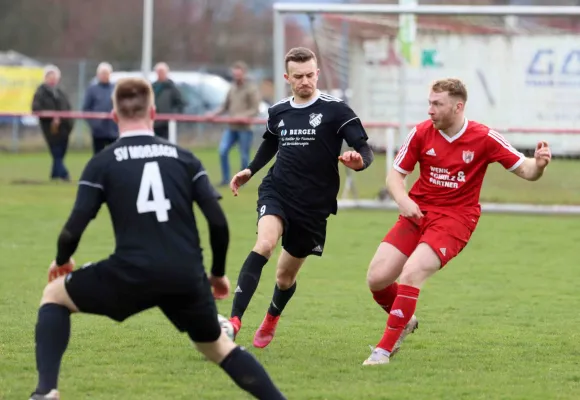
[441, 211]
[149, 186]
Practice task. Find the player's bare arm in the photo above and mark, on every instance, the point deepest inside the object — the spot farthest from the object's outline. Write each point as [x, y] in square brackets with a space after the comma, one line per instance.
[265, 153]
[532, 169]
[397, 190]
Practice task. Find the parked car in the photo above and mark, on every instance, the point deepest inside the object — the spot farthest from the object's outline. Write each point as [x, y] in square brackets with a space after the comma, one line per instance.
[202, 92]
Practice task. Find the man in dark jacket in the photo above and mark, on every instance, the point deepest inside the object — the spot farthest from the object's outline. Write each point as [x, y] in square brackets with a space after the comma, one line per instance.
[98, 99]
[56, 131]
[168, 99]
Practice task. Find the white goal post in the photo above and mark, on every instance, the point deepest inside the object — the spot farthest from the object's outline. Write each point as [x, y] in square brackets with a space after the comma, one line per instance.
[496, 107]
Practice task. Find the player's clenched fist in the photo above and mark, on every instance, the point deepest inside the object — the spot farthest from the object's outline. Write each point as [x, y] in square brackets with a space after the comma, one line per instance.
[543, 154]
[220, 286]
[54, 271]
[352, 160]
[240, 179]
[408, 208]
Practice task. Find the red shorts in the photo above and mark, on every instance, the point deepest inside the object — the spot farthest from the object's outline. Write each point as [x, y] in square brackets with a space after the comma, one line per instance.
[445, 235]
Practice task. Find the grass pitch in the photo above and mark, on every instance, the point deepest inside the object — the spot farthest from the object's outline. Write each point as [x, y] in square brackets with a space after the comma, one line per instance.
[499, 322]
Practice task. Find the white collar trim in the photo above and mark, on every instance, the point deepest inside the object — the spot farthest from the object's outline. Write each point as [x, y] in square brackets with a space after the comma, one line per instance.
[304, 105]
[451, 139]
[140, 132]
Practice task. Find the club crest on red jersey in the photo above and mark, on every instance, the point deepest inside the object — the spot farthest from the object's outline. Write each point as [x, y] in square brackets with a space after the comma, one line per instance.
[468, 156]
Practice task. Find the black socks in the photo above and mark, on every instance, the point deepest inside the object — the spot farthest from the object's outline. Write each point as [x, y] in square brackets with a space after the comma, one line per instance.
[52, 336]
[249, 375]
[247, 283]
[280, 299]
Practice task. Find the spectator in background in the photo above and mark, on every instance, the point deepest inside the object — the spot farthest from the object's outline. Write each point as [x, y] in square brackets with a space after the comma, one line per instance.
[50, 97]
[168, 99]
[98, 99]
[242, 101]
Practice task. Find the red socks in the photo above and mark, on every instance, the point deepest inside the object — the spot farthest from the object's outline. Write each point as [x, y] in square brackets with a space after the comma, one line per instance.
[401, 312]
[385, 297]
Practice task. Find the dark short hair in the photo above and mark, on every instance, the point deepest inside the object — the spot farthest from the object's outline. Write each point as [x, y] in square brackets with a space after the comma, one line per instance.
[299, 55]
[132, 98]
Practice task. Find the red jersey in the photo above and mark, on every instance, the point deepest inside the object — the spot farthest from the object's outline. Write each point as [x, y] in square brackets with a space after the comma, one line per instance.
[452, 168]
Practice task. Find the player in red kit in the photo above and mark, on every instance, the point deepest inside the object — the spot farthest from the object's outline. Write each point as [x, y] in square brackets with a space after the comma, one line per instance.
[441, 211]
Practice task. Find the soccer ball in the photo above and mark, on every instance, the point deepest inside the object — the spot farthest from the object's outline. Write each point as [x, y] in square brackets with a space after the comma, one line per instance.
[227, 326]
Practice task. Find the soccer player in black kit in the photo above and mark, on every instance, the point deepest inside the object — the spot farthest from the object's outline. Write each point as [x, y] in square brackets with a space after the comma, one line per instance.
[149, 186]
[299, 192]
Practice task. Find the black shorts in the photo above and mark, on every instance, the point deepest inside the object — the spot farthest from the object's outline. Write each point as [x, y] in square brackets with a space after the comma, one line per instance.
[302, 236]
[121, 291]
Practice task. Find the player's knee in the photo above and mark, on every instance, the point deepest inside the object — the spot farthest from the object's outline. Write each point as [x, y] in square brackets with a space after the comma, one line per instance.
[375, 281]
[51, 293]
[422, 264]
[265, 246]
[415, 275]
[380, 275]
[218, 350]
[285, 280]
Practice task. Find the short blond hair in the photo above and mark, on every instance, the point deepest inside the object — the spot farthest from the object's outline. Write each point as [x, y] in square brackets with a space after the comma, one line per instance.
[132, 98]
[455, 88]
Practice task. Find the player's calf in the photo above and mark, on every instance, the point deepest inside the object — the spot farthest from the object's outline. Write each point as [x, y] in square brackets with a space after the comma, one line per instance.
[411, 326]
[286, 274]
[422, 264]
[52, 335]
[269, 232]
[242, 367]
[381, 356]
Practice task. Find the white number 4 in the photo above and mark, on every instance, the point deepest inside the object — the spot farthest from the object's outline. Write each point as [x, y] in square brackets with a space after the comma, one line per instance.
[151, 183]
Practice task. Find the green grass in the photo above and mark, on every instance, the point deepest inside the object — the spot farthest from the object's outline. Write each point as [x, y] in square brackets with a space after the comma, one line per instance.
[499, 322]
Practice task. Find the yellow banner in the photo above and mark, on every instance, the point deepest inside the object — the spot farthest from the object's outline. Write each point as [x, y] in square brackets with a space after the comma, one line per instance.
[17, 87]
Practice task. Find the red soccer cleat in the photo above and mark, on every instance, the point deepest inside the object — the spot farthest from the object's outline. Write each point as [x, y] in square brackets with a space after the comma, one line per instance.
[237, 324]
[265, 332]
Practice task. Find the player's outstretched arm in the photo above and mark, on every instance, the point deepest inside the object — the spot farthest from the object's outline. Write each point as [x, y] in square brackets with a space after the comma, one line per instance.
[396, 188]
[219, 237]
[67, 244]
[265, 153]
[267, 150]
[532, 169]
[219, 234]
[90, 197]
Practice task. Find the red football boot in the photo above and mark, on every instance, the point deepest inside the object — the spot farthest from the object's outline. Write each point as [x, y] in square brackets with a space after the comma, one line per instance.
[237, 324]
[265, 332]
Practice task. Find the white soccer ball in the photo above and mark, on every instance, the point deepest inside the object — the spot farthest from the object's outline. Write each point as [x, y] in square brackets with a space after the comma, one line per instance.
[227, 326]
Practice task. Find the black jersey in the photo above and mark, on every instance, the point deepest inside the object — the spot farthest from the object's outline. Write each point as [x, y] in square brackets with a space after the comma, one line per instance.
[148, 185]
[310, 138]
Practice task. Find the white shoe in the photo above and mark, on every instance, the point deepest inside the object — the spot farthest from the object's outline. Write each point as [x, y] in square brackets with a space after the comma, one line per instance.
[409, 328]
[377, 357]
[53, 395]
